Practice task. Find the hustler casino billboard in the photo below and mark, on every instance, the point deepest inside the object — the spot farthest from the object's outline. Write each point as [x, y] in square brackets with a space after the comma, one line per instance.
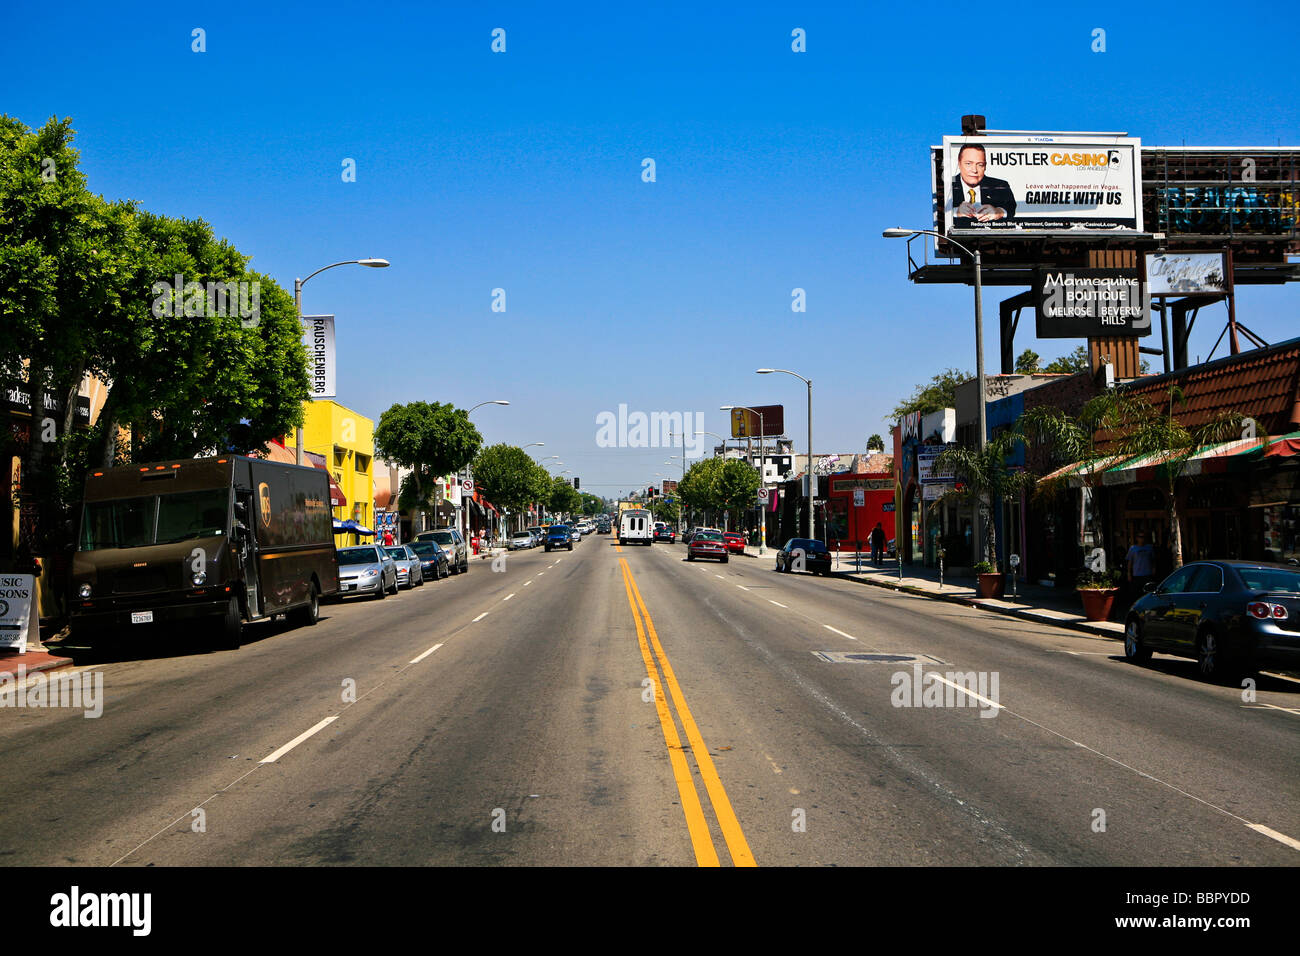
[1040, 183]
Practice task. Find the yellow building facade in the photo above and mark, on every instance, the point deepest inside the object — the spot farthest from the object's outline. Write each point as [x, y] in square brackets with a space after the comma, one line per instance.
[346, 440]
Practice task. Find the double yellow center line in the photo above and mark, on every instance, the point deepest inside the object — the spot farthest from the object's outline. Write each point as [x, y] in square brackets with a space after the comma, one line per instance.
[696, 825]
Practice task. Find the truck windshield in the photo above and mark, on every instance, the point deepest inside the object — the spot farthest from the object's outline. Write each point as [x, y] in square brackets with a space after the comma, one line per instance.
[154, 519]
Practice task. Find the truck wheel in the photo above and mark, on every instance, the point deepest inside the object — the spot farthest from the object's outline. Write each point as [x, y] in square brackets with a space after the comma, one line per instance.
[230, 627]
[308, 615]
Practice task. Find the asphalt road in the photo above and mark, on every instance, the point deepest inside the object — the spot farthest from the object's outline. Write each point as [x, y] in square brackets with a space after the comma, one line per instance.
[622, 706]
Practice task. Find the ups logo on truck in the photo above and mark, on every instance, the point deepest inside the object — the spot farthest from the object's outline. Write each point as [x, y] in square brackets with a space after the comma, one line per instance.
[264, 497]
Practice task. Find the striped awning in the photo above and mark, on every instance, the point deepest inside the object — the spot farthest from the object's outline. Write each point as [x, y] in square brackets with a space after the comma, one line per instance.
[1216, 459]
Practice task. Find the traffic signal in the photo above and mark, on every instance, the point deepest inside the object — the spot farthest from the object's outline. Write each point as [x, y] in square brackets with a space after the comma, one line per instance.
[575, 483]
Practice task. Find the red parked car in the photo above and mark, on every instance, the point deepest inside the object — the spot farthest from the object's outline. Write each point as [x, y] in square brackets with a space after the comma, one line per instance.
[735, 541]
[707, 544]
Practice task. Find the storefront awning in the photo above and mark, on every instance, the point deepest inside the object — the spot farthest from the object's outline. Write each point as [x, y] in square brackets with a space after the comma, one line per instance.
[1214, 459]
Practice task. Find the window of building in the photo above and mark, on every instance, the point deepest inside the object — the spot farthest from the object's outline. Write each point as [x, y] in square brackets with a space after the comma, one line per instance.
[362, 462]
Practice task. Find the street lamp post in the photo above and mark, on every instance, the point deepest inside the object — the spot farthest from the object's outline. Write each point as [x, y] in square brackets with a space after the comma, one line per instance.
[297, 308]
[899, 233]
[762, 511]
[812, 521]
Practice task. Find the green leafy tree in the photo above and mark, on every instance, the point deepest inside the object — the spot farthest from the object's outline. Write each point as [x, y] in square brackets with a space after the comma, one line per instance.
[432, 439]
[875, 443]
[939, 392]
[592, 504]
[738, 486]
[665, 511]
[78, 279]
[564, 498]
[507, 476]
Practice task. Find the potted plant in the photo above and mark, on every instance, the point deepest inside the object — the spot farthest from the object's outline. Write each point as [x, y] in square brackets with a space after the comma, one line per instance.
[1097, 590]
[991, 583]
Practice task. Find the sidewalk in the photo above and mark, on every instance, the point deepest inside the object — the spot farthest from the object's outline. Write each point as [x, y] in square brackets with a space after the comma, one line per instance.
[1033, 602]
[31, 662]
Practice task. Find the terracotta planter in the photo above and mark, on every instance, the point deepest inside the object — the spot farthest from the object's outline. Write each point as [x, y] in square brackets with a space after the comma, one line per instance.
[993, 585]
[1097, 602]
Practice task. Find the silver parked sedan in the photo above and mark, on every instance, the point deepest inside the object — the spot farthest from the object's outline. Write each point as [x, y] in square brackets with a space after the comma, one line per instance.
[408, 566]
[366, 569]
[521, 540]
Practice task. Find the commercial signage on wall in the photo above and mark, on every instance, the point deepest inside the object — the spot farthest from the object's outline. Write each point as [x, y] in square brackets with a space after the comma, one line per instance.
[745, 422]
[17, 611]
[926, 473]
[1040, 183]
[1186, 273]
[1082, 303]
[318, 337]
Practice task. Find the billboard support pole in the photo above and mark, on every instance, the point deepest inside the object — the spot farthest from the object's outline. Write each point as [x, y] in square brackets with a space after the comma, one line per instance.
[979, 374]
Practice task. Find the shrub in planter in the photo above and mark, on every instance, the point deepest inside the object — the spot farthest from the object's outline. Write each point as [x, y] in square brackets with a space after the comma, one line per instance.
[991, 583]
[1097, 590]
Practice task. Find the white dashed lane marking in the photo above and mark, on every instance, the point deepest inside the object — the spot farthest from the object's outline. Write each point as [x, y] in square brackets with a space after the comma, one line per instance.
[479, 618]
[839, 632]
[426, 654]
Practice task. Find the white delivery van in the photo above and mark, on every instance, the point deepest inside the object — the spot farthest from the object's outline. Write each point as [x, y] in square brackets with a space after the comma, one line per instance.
[636, 525]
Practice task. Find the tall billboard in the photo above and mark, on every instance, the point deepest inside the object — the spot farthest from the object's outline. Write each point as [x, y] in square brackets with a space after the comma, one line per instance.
[1040, 183]
[745, 422]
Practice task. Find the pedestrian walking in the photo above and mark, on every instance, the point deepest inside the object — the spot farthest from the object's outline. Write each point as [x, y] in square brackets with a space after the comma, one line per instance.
[1139, 564]
[877, 543]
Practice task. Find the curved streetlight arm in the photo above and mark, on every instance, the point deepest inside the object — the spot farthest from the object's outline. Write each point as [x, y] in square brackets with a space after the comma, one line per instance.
[899, 233]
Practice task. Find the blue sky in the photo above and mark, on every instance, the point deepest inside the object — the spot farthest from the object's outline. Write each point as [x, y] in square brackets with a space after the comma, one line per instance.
[522, 171]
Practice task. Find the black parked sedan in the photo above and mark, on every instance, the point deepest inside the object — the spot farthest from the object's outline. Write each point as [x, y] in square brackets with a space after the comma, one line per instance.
[1232, 617]
[435, 563]
[804, 554]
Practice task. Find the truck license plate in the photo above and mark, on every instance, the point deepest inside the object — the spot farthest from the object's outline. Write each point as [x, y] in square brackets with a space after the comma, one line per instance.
[142, 617]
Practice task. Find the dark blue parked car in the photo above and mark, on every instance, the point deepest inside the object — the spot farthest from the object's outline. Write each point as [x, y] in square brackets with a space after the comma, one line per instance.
[1231, 617]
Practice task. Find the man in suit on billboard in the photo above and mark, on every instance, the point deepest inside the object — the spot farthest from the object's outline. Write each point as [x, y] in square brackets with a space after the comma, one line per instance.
[976, 197]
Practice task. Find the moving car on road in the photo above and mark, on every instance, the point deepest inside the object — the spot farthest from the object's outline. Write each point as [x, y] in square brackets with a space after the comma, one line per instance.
[735, 541]
[449, 540]
[557, 536]
[665, 533]
[1231, 617]
[367, 569]
[408, 566]
[804, 554]
[707, 544]
[520, 541]
[434, 562]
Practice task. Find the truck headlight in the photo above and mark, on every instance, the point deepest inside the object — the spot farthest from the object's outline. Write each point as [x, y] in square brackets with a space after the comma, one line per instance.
[84, 591]
[200, 578]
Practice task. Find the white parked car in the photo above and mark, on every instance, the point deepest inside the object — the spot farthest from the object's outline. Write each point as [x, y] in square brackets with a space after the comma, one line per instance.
[521, 540]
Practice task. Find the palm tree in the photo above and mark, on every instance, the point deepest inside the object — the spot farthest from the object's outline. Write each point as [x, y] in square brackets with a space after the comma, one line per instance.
[987, 480]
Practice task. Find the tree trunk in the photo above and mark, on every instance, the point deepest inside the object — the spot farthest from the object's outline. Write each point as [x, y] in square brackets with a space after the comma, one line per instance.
[991, 540]
[1175, 535]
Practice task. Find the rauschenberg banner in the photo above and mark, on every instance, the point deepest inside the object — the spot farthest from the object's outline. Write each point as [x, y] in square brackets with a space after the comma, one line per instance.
[318, 336]
[1041, 183]
[1091, 303]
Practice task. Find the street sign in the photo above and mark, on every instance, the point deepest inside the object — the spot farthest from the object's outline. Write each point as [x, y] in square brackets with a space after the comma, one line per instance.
[859, 497]
[467, 485]
[763, 495]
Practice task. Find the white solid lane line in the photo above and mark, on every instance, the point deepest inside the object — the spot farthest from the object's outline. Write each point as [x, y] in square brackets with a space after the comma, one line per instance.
[426, 654]
[1279, 837]
[778, 604]
[839, 632]
[479, 618]
[299, 739]
[507, 597]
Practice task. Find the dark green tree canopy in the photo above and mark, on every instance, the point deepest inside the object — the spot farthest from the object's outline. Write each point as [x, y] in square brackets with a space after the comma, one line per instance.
[508, 477]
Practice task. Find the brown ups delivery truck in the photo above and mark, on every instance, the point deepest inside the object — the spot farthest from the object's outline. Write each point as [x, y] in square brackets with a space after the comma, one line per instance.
[212, 542]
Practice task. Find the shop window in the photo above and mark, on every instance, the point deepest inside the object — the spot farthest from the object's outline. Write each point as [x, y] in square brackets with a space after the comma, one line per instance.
[362, 463]
[1145, 499]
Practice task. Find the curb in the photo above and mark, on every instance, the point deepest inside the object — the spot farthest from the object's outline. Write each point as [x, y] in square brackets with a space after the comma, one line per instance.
[1029, 614]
